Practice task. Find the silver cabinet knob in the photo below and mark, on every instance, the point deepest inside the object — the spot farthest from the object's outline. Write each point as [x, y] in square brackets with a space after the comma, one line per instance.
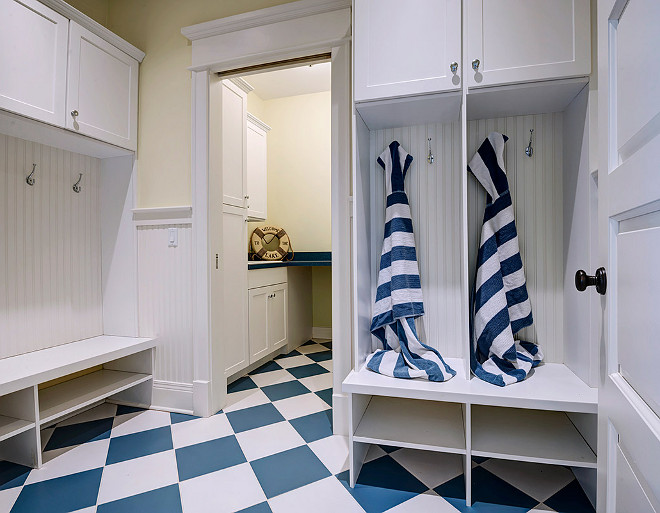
[74, 114]
[475, 64]
[453, 67]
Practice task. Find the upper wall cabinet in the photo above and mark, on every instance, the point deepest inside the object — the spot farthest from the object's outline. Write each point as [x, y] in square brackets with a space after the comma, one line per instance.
[257, 169]
[33, 39]
[511, 41]
[406, 48]
[102, 90]
[233, 147]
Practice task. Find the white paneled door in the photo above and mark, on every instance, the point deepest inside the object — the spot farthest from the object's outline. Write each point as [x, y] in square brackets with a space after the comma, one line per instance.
[258, 325]
[629, 211]
[232, 146]
[277, 316]
[33, 43]
[102, 90]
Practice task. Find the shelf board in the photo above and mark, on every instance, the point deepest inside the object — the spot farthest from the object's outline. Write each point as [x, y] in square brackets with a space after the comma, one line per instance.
[529, 435]
[61, 400]
[10, 426]
[413, 424]
[551, 386]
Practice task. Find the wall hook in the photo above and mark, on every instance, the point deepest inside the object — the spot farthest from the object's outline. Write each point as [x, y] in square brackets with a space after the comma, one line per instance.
[30, 180]
[76, 186]
[529, 151]
[430, 157]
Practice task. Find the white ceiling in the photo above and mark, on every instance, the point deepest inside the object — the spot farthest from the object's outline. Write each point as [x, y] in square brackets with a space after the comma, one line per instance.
[292, 81]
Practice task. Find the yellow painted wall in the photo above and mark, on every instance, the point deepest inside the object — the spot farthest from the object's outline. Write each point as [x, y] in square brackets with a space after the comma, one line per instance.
[322, 297]
[96, 9]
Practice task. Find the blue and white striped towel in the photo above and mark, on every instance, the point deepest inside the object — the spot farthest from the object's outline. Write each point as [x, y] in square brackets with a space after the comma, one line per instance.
[501, 304]
[398, 350]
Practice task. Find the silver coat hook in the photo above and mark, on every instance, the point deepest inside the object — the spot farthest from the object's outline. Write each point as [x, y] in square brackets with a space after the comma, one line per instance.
[430, 157]
[529, 151]
[30, 180]
[76, 186]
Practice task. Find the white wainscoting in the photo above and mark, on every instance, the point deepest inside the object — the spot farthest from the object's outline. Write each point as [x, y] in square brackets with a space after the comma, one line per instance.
[537, 193]
[50, 248]
[434, 191]
[165, 310]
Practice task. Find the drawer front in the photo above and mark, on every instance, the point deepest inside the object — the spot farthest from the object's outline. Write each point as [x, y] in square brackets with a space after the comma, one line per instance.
[265, 277]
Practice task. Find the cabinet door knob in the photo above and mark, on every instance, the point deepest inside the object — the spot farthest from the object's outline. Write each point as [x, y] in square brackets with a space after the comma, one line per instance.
[475, 64]
[453, 67]
[599, 280]
[74, 114]
[247, 196]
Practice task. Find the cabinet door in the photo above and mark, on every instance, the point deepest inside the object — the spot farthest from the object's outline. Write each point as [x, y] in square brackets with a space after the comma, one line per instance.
[406, 48]
[233, 150]
[102, 90]
[33, 39]
[277, 316]
[527, 40]
[258, 324]
[257, 175]
[235, 287]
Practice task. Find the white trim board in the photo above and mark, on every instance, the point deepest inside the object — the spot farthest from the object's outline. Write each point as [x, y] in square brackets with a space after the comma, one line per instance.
[162, 215]
[173, 397]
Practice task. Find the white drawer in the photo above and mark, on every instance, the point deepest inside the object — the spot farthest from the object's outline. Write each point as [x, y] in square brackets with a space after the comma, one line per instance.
[265, 277]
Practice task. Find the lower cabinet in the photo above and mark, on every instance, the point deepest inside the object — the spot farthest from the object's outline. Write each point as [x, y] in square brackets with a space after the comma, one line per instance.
[267, 313]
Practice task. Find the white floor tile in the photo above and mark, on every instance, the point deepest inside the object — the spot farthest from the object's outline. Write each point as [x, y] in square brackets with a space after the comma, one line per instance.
[312, 348]
[424, 502]
[45, 436]
[542, 507]
[431, 468]
[69, 460]
[325, 496]
[200, 430]
[318, 382]
[8, 498]
[224, 491]
[295, 361]
[245, 399]
[535, 479]
[300, 405]
[333, 452]
[137, 476]
[326, 365]
[102, 411]
[264, 441]
[135, 422]
[91, 509]
[273, 377]
[374, 452]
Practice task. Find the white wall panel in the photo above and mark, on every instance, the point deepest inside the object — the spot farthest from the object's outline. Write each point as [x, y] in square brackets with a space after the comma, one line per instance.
[165, 299]
[50, 248]
[536, 190]
[434, 192]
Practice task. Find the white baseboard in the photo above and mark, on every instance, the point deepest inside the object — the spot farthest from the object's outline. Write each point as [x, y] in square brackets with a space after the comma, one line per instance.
[321, 332]
[172, 396]
[340, 414]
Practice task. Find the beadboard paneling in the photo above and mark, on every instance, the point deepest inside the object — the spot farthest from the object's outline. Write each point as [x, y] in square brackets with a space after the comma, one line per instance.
[537, 193]
[434, 192]
[50, 248]
[165, 299]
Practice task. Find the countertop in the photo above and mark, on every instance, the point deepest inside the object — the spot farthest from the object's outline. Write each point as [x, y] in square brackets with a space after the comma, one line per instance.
[301, 258]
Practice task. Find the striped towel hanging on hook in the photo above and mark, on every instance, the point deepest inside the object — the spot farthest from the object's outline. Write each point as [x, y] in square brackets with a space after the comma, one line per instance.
[501, 303]
[398, 352]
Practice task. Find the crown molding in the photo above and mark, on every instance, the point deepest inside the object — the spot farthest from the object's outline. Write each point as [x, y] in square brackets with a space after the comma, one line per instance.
[85, 21]
[255, 120]
[278, 13]
[242, 84]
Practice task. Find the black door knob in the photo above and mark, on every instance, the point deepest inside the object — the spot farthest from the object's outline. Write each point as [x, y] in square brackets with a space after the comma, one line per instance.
[582, 281]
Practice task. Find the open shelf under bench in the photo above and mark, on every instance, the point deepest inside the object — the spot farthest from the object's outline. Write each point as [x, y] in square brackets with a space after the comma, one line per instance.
[10, 426]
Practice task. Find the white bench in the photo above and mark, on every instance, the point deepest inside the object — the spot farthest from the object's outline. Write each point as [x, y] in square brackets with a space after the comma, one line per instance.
[125, 378]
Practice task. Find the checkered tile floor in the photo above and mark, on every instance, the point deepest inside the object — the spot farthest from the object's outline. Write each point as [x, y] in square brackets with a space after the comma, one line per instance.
[270, 450]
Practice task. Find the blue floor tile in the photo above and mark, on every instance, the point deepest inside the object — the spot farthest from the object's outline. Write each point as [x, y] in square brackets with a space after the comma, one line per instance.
[374, 499]
[479, 459]
[163, 500]
[389, 448]
[570, 499]
[257, 508]
[12, 475]
[254, 417]
[315, 426]
[288, 470]
[175, 418]
[123, 409]
[386, 472]
[327, 344]
[244, 383]
[139, 444]
[60, 495]
[305, 371]
[453, 489]
[322, 356]
[76, 434]
[199, 459]
[326, 395]
[309, 343]
[285, 390]
[267, 367]
[287, 355]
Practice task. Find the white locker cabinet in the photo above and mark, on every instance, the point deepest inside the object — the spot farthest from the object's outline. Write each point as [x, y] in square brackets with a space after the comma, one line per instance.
[232, 144]
[257, 169]
[277, 316]
[258, 322]
[513, 41]
[406, 48]
[234, 289]
[33, 39]
[102, 90]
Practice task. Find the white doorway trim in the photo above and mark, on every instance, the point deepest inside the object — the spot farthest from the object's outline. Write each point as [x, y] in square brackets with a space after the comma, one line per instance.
[289, 31]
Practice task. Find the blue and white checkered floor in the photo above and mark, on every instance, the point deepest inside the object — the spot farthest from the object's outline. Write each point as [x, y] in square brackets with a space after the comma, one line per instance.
[270, 450]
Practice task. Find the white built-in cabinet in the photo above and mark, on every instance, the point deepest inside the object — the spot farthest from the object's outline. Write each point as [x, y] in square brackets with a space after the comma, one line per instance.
[232, 146]
[257, 168]
[267, 319]
[102, 92]
[59, 72]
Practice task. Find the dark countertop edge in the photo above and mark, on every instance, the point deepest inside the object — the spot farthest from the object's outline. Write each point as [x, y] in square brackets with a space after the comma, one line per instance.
[293, 263]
